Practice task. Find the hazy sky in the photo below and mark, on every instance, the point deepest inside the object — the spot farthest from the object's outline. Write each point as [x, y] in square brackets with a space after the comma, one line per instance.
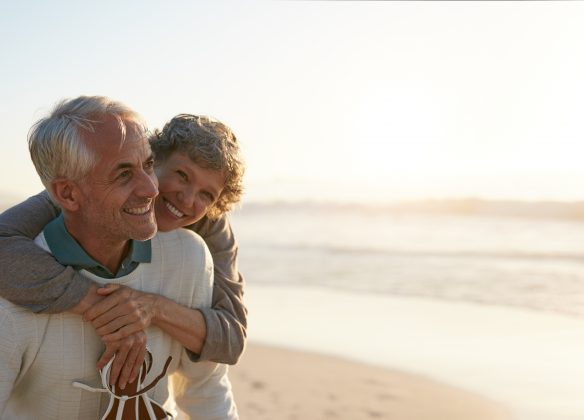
[330, 100]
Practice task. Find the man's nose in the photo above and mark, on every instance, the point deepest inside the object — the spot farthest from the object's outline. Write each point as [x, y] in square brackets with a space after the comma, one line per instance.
[147, 185]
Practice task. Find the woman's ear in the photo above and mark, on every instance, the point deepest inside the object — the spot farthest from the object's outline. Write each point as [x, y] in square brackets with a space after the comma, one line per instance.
[66, 193]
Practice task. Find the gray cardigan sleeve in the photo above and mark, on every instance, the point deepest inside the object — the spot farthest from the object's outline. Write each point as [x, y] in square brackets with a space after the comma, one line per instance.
[29, 276]
[227, 318]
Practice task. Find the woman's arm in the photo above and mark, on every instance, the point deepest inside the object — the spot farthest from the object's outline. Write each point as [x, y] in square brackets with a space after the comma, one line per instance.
[226, 320]
[31, 277]
[213, 334]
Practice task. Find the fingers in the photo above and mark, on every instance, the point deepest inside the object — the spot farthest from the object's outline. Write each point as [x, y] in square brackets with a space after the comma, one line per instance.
[106, 317]
[137, 309]
[139, 361]
[105, 305]
[127, 368]
[118, 363]
[106, 356]
[121, 333]
[118, 317]
[133, 362]
[108, 289]
[113, 326]
[129, 355]
[122, 302]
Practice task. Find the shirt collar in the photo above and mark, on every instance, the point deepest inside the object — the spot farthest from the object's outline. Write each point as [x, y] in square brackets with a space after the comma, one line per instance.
[67, 251]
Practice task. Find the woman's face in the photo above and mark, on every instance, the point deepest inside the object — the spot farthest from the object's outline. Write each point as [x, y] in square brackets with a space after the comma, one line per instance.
[186, 191]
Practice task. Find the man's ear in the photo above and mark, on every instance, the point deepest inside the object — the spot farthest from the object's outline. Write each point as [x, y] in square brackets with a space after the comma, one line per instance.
[66, 193]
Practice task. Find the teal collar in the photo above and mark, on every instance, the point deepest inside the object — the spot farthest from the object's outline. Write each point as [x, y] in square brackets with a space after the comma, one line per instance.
[67, 251]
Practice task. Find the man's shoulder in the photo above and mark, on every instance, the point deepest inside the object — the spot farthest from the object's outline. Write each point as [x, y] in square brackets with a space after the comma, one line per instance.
[178, 237]
[184, 261]
[180, 242]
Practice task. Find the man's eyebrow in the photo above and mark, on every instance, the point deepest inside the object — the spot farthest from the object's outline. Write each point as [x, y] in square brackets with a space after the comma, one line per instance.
[126, 165]
[123, 165]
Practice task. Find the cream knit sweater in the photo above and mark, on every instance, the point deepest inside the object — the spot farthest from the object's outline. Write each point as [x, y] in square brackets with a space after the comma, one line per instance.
[42, 355]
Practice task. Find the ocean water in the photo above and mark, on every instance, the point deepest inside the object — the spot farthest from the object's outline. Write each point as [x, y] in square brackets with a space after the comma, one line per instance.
[488, 254]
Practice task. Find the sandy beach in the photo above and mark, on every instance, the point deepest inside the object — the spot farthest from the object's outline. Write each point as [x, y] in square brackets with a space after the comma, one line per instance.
[526, 362]
[273, 383]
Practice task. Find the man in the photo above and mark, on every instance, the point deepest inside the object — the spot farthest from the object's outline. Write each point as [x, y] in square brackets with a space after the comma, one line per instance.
[93, 157]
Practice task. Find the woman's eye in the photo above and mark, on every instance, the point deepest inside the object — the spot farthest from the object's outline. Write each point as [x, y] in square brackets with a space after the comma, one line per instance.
[182, 175]
[208, 198]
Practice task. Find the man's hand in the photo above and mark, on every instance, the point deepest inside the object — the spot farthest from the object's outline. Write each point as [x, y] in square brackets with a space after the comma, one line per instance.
[90, 299]
[124, 311]
[129, 354]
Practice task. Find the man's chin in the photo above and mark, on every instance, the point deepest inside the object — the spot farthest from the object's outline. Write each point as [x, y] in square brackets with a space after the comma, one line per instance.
[144, 234]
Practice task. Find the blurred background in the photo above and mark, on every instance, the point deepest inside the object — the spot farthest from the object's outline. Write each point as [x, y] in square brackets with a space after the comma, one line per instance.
[413, 148]
[421, 149]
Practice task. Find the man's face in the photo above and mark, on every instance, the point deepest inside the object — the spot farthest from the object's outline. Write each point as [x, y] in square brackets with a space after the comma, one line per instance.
[118, 194]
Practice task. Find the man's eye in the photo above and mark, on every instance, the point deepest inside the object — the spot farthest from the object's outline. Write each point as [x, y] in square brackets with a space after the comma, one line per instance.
[149, 165]
[125, 175]
[182, 175]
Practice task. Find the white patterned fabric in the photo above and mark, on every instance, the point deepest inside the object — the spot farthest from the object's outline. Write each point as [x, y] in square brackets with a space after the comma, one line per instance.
[42, 355]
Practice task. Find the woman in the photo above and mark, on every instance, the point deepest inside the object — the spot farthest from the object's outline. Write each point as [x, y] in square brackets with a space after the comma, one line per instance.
[200, 174]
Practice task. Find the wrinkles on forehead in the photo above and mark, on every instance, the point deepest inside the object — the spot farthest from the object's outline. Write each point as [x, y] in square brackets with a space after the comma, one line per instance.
[110, 132]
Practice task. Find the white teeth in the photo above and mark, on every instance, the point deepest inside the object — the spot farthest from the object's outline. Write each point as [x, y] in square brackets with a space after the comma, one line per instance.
[138, 211]
[173, 209]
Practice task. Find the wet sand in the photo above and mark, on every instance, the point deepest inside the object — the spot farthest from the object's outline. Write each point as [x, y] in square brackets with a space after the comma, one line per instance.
[272, 383]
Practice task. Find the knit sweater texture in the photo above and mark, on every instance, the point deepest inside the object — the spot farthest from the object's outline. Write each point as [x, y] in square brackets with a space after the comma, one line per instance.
[41, 355]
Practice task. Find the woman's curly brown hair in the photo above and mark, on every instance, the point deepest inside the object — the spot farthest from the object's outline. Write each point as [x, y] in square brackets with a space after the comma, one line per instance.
[208, 143]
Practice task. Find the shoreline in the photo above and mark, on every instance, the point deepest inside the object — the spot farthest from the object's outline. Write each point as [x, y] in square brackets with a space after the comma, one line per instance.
[271, 382]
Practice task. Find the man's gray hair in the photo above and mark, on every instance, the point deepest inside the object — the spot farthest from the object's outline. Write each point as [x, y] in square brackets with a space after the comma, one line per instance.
[56, 143]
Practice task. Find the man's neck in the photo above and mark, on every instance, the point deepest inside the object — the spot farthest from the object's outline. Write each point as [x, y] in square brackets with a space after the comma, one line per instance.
[109, 253]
